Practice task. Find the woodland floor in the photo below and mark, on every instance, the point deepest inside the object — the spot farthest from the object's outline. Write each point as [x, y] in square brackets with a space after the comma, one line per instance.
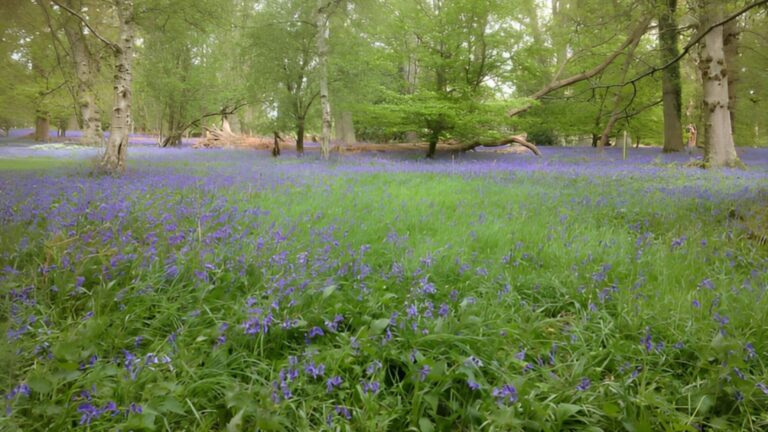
[227, 290]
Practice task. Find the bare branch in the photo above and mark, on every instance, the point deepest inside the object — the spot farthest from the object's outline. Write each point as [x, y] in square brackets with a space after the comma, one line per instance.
[687, 48]
[636, 34]
[225, 111]
[113, 46]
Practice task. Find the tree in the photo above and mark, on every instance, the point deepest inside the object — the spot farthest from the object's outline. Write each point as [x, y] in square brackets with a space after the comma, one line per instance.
[86, 70]
[186, 71]
[324, 11]
[282, 53]
[720, 150]
[114, 156]
[671, 88]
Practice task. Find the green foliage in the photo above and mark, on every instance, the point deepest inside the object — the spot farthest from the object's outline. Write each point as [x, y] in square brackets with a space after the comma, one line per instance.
[33, 83]
[185, 68]
[538, 294]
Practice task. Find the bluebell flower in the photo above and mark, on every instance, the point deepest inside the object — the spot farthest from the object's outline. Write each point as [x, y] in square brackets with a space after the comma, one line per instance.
[371, 388]
[444, 310]
[315, 371]
[424, 372]
[315, 332]
[584, 384]
[750, 349]
[89, 413]
[344, 412]
[506, 394]
[332, 383]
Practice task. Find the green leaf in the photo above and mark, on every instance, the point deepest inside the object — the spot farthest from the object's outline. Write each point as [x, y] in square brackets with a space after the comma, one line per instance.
[236, 424]
[327, 291]
[144, 421]
[611, 410]
[379, 325]
[171, 404]
[40, 384]
[426, 425]
[566, 410]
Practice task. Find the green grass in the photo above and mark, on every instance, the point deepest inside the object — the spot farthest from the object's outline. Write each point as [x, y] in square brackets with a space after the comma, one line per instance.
[585, 270]
[36, 163]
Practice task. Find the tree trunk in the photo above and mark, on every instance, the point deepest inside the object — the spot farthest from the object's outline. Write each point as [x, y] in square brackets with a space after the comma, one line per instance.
[517, 139]
[172, 140]
[276, 144]
[42, 127]
[113, 160]
[175, 131]
[300, 137]
[433, 139]
[719, 150]
[61, 128]
[670, 78]
[345, 129]
[731, 50]
[322, 55]
[86, 69]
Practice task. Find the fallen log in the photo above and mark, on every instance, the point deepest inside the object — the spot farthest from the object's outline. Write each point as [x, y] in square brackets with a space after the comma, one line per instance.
[220, 137]
[516, 139]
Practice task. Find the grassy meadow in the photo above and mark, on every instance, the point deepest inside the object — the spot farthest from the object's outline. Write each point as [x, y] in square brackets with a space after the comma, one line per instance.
[218, 290]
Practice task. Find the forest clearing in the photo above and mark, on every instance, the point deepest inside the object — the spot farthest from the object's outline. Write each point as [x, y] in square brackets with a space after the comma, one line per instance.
[365, 215]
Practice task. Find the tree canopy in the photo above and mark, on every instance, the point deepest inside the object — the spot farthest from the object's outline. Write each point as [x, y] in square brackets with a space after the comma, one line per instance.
[462, 71]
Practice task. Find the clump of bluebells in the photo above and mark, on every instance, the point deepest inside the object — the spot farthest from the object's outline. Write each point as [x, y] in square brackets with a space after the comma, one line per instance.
[228, 292]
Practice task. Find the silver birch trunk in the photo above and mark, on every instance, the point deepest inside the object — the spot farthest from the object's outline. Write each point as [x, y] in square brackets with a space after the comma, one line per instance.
[731, 33]
[86, 71]
[113, 160]
[719, 150]
[322, 54]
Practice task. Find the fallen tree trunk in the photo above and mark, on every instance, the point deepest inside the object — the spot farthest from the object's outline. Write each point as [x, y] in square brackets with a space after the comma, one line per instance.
[220, 137]
[174, 137]
[517, 139]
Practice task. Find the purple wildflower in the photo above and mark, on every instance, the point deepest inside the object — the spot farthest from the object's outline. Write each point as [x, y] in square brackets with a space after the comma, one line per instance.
[344, 412]
[424, 372]
[332, 383]
[750, 349]
[315, 371]
[444, 310]
[315, 332]
[135, 408]
[334, 325]
[371, 388]
[584, 384]
[89, 413]
[473, 361]
[506, 394]
[373, 367]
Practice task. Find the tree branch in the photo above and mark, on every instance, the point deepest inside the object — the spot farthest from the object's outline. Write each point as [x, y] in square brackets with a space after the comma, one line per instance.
[113, 46]
[636, 34]
[222, 112]
[687, 48]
